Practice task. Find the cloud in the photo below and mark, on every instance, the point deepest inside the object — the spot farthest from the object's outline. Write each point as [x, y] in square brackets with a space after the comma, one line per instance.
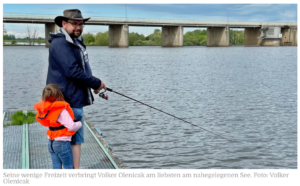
[93, 12]
[24, 34]
[288, 14]
[17, 34]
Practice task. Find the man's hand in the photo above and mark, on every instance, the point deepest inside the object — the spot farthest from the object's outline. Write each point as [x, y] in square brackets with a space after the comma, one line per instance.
[102, 86]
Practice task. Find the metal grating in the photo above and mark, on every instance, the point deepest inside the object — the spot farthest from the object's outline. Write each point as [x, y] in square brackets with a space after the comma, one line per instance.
[12, 147]
[39, 156]
[92, 155]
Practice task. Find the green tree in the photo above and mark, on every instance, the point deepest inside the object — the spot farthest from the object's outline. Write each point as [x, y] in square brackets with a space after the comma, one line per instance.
[156, 30]
[236, 37]
[4, 34]
[231, 37]
[102, 39]
[195, 38]
[135, 39]
[155, 37]
[190, 38]
[88, 38]
[11, 37]
[202, 40]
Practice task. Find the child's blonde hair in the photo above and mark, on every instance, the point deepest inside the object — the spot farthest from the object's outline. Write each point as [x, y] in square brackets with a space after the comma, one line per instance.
[52, 93]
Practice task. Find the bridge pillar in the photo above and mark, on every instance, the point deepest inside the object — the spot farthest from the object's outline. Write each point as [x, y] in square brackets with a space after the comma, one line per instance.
[270, 35]
[270, 42]
[50, 27]
[118, 36]
[172, 36]
[217, 36]
[289, 37]
[251, 37]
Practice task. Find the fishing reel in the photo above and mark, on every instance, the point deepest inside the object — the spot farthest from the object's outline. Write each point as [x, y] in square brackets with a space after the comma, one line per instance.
[103, 95]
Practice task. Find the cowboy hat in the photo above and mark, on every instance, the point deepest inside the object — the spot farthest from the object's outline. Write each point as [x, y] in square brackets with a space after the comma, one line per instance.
[70, 14]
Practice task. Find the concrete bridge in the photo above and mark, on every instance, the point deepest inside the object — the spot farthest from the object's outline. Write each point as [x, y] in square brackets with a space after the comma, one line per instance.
[255, 34]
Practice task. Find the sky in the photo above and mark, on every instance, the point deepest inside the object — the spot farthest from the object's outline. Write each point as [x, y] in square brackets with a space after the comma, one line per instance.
[213, 12]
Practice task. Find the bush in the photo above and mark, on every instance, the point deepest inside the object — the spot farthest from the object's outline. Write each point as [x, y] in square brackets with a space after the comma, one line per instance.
[188, 44]
[13, 42]
[149, 43]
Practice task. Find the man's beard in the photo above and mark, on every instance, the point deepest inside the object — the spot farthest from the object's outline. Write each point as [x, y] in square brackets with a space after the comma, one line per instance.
[74, 36]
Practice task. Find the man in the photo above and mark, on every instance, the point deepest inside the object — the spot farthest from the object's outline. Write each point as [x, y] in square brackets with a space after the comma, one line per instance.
[70, 70]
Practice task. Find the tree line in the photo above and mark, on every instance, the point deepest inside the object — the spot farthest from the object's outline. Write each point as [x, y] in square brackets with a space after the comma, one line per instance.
[191, 38]
[9, 37]
[197, 37]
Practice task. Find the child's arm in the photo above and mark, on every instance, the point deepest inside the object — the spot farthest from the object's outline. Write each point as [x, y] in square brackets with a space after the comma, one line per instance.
[65, 119]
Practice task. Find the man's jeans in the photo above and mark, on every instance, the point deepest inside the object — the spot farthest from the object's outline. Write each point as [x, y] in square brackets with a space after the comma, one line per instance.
[78, 137]
[61, 154]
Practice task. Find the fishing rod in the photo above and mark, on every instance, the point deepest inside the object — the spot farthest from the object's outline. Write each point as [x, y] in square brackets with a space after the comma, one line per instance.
[104, 96]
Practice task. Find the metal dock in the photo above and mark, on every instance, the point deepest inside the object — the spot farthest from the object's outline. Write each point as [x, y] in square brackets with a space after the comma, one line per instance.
[26, 147]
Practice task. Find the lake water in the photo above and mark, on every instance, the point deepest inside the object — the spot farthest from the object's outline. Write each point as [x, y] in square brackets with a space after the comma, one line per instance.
[247, 94]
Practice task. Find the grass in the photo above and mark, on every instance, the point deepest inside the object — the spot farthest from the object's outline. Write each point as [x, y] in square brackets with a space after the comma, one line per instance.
[30, 117]
[19, 118]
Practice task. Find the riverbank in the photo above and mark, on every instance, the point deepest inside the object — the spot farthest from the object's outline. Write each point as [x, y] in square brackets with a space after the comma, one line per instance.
[23, 45]
[23, 42]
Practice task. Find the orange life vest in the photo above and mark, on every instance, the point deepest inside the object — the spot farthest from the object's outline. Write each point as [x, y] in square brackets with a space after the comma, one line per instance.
[47, 114]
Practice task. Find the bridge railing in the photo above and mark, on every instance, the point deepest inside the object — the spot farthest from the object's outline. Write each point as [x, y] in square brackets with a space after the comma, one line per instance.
[28, 15]
[102, 18]
[142, 20]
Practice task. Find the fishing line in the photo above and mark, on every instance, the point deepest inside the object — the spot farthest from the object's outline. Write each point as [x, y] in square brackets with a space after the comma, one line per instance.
[101, 95]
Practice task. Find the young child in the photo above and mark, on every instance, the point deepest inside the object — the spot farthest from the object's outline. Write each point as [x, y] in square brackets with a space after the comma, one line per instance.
[55, 113]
